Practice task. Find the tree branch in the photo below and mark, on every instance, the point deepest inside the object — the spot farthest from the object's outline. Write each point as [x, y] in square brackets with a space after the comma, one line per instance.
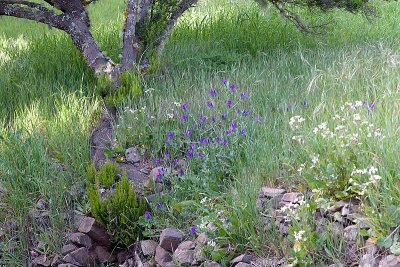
[130, 44]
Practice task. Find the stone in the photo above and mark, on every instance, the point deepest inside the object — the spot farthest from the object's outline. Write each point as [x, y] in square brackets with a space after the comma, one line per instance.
[243, 264]
[68, 248]
[103, 255]
[80, 257]
[149, 264]
[184, 253]
[66, 265]
[246, 258]
[370, 246]
[368, 260]
[199, 255]
[202, 239]
[390, 261]
[336, 229]
[42, 260]
[81, 239]
[132, 155]
[270, 192]
[170, 239]
[78, 218]
[55, 260]
[162, 256]
[148, 247]
[95, 231]
[211, 264]
[350, 233]
[292, 197]
[124, 255]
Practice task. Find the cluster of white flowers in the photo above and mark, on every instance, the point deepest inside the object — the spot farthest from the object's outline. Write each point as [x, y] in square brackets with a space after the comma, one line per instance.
[373, 178]
[299, 236]
[296, 121]
[290, 210]
[298, 138]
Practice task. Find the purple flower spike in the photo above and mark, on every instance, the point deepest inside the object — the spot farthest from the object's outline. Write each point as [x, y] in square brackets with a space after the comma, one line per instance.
[224, 115]
[203, 118]
[228, 132]
[232, 88]
[225, 142]
[159, 205]
[213, 119]
[371, 105]
[210, 104]
[305, 103]
[176, 162]
[193, 229]
[212, 92]
[217, 139]
[204, 141]
[170, 134]
[147, 215]
[188, 132]
[156, 162]
[224, 81]
[200, 155]
[189, 154]
[192, 146]
[166, 155]
[244, 95]
[238, 111]
[167, 141]
[233, 125]
[184, 106]
[229, 103]
[243, 131]
[184, 117]
[180, 171]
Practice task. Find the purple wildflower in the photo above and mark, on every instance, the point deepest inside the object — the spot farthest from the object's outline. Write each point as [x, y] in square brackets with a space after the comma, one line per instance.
[184, 117]
[228, 132]
[204, 141]
[193, 229]
[244, 95]
[180, 171]
[243, 131]
[176, 162]
[188, 132]
[213, 119]
[193, 146]
[189, 153]
[232, 88]
[210, 104]
[166, 155]
[184, 106]
[225, 142]
[238, 111]
[167, 141]
[224, 115]
[229, 103]
[224, 81]
[246, 112]
[200, 155]
[170, 134]
[147, 215]
[233, 125]
[212, 92]
[156, 162]
[305, 103]
[217, 139]
[203, 118]
[371, 105]
[159, 205]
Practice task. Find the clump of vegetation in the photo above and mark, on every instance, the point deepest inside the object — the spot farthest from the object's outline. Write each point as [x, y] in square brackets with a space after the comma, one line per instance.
[114, 203]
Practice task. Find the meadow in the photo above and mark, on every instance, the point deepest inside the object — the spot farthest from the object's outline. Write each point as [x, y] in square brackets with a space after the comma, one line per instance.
[49, 104]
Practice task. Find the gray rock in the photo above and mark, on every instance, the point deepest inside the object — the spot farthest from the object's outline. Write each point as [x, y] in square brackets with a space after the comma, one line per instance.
[199, 255]
[103, 255]
[81, 239]
[132, 155]
[270, 192]
[390, 261]
[370, 247]
[243, 264]
[211, 264]
[162, 256]
[369, 260]
[170, 239]
[351, 233]
[42, 260]
[80, 257]
[66, 265]
[292, 197]
[202, 239]
[148, 247]
[246, 258]
[124, 255]
[94, 230]
[68, 248]
[184, 253]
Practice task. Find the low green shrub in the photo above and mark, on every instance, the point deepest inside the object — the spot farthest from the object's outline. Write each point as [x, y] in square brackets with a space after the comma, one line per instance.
[114, 203]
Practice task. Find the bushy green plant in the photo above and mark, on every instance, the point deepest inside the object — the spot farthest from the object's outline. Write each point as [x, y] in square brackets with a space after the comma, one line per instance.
[114, 203]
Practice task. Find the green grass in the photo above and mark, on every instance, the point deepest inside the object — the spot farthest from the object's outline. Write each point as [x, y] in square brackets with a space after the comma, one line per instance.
[48, 108]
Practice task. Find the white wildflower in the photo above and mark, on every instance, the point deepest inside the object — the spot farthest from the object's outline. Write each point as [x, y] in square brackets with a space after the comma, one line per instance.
[298, 138]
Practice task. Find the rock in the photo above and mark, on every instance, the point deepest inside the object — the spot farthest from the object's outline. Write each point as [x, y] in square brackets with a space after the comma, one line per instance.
[81, 239]
[103, 255]
[351, 233]
[68, 248]
[283, 228]
[148, 247]
[368, 260]
[132, 155]
[269, 192]
[202, 239]
[149, 264]
[42, 260]
[162, 256]
[66, 265]
[80, 257]
[243, 264]
[370, 246]
[78, 220]
[170, 239]
[292, 197]
[336, 229]
[211, 264]
[390, 261]
[246, 258]
[94, 230]
[261, 203]
[199, 255]
[55, 261]
[184, 253]
[123, 255]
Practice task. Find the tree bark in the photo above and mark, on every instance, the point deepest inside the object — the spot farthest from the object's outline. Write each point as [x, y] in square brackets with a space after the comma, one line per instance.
[130, 43]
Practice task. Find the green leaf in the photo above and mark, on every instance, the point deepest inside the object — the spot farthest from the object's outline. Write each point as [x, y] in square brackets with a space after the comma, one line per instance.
[395, 248]
[217, 255]
[364, 233]
[183, 205]
[384, 242]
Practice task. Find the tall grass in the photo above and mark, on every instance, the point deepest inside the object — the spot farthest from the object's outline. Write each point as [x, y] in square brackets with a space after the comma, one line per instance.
[48, 107]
